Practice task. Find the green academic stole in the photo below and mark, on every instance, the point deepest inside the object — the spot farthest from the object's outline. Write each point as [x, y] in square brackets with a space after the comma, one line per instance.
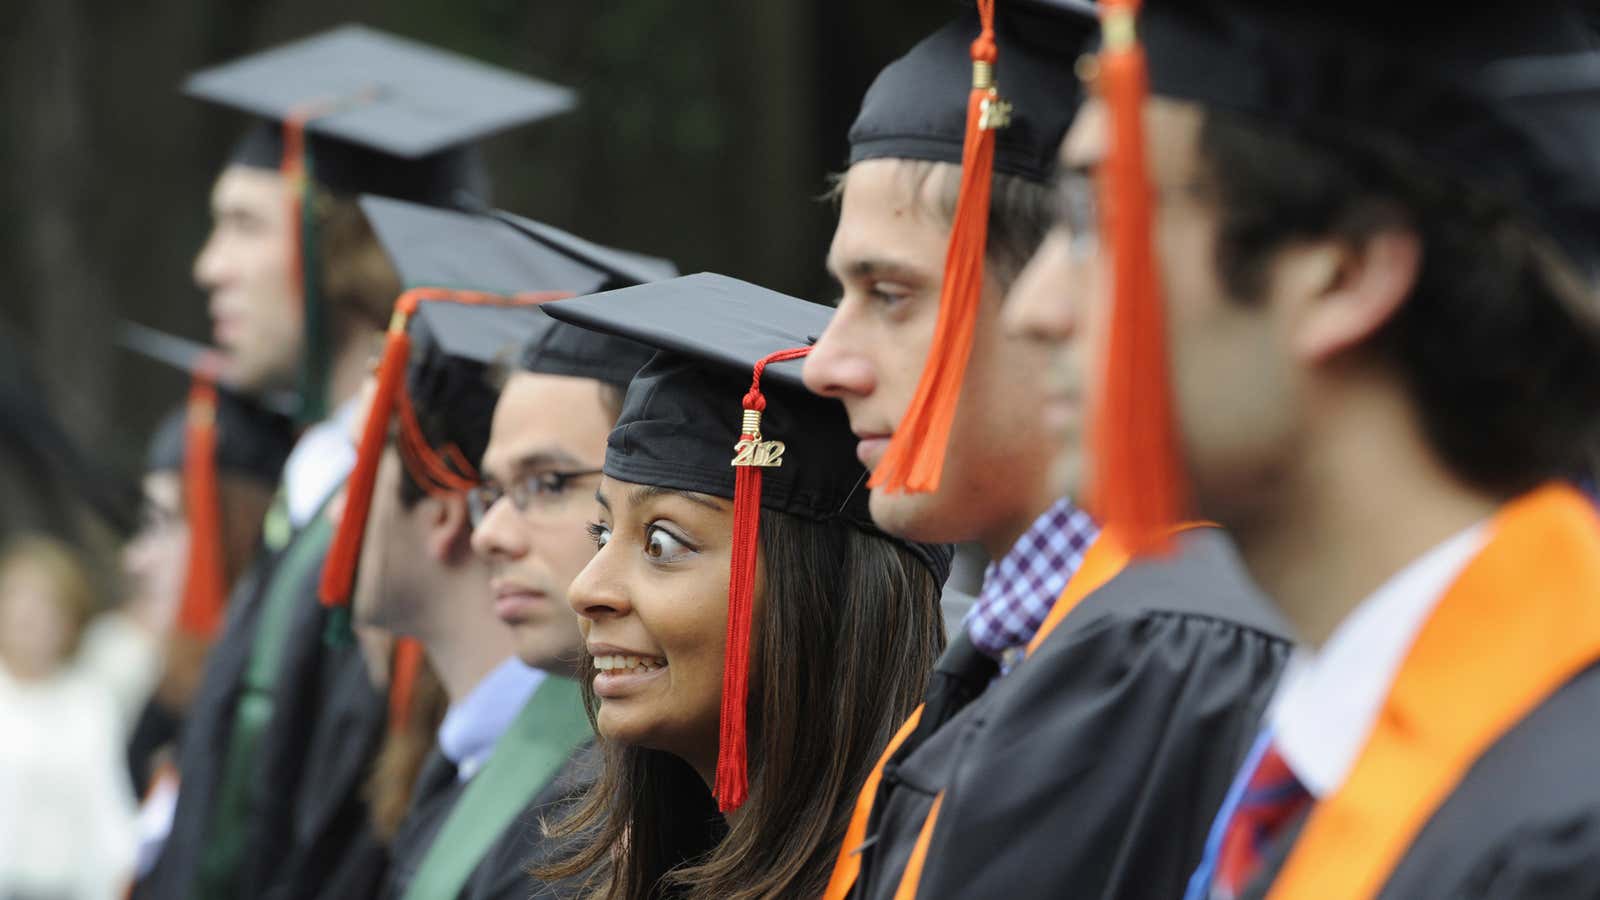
[219, 865]
[539, 742]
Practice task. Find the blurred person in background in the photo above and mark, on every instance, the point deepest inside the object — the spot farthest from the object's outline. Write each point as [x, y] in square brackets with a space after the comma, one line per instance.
[303, 300]
[71, 683]
[250, 446]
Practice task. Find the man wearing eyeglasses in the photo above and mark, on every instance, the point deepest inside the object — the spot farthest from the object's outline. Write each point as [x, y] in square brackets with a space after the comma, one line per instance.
[511, 747]
[546, 446]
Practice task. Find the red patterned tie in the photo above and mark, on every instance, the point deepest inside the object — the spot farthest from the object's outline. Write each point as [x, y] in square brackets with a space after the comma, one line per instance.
[1272, 800]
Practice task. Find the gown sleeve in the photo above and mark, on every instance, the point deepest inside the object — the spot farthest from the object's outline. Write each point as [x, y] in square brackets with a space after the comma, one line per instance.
[1097, 766]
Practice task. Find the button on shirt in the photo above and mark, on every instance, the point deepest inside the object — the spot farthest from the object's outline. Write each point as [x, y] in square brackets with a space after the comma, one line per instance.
[473, 726]
[1329, 699]
[1019, 589]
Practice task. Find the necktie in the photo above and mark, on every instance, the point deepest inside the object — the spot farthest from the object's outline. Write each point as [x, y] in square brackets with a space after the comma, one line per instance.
[1272, 800]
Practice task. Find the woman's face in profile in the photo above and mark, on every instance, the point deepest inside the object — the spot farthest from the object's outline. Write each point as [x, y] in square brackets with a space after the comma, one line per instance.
[653, 608]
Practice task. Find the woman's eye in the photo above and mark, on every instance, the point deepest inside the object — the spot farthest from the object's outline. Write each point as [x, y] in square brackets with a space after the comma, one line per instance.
[600, 534]
[661, 546]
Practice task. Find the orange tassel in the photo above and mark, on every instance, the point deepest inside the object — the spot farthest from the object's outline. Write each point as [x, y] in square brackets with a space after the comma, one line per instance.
[293, 168]
[338, 573]
[733, 781]
[914, 460]
[1139, 490]
[439, 472]
[403, 681]
[205, 584]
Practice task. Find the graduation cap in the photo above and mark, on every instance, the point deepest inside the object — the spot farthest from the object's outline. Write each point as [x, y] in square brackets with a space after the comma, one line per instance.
[499, 252]
[215, 429]
[356, 110]
[943, 102]
[563, 349]
[917, 106]
[471, 280]
[379, 113]
[508, 254]
[721, 410]
[252, 442]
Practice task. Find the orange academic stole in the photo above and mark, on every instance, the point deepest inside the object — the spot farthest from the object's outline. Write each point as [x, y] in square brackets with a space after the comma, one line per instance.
[1520, 622]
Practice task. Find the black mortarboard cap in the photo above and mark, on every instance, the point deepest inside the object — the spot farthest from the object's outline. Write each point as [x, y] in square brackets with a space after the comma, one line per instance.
[917, 106]
[624, 267]
[682, 415]
[252, 442]
[509, 255]
[454, 348]
[563, 349]
[721, 410]
[388, 115]
[498, 253]
[1503, 97]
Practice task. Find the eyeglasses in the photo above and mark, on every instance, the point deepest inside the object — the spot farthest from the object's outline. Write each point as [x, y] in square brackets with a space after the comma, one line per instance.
[539, 491]
[1078, 211]
[1077, 207]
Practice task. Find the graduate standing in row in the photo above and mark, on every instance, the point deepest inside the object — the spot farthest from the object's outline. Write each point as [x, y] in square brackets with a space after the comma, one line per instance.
[1094, 764]
[507, 747]
[752, 638]
[298, 289]
[1373, 231]
[247, 446]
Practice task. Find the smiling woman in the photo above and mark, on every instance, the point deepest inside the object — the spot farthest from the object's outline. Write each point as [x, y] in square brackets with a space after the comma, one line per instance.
[773, 710]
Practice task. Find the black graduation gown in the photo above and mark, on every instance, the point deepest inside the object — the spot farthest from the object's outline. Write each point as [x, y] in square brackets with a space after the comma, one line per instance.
[310, 759]
[317, 838]
[1524, 822]
[1095, 767]
[206, 733]
[503, 873]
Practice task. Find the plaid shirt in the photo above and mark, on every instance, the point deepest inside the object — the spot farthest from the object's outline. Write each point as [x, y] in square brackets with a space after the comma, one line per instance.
[1019, 590]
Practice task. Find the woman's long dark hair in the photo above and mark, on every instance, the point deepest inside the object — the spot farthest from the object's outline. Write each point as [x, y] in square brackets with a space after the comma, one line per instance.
[850, 629]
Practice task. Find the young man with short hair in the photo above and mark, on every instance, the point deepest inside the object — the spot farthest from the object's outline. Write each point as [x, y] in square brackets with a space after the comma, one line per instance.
[297, 293]
[1092, 761]
[1382, 325]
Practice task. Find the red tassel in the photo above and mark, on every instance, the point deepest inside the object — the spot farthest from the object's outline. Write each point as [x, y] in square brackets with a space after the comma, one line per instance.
[403, 681]
[439, 472]
[1139, 489]
[205, 584]
[732, 783]
[338, 573]
[914, 460]
[293, 168]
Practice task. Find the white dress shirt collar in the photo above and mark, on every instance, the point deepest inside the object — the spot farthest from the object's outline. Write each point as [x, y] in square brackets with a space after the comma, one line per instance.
[472, 727]
[1329, 699]
[318, 464]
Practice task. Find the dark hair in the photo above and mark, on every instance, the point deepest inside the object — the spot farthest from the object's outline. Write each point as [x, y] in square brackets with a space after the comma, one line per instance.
[1020, 210]
[466, 424]
[465, 429]
[1498, 343]
[851, 627]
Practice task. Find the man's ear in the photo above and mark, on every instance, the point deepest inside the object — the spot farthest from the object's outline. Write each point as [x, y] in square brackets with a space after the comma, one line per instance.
[449, 527]
[1348, 291]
